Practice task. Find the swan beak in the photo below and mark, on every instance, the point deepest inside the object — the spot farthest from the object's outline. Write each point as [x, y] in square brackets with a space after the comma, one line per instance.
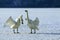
[22, 21]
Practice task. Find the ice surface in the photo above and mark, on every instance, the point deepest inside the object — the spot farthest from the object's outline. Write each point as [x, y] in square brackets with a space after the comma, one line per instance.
[49, 27]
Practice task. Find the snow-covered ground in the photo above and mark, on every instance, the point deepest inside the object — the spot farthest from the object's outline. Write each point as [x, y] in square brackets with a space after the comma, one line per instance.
[49, 27]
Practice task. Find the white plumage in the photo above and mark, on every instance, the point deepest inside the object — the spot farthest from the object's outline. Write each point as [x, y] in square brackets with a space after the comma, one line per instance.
[10, 22]
[14, 24]
[32, 23]
[36, 21]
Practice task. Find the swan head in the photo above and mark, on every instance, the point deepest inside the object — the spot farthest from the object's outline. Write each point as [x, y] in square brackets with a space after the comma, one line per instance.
[26, 10]
[20, 19]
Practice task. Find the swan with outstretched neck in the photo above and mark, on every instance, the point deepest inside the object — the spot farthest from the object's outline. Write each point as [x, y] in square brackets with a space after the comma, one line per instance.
[32, 23]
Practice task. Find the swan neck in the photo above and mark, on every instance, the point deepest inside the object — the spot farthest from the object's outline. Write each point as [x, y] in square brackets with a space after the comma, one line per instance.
[27, 17]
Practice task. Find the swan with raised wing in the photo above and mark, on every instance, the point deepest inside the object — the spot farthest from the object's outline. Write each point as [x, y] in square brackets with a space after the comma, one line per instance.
[32, 23]
[14, 24]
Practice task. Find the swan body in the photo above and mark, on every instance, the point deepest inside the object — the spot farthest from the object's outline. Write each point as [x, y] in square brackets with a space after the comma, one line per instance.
[32, 23]
[14, 24]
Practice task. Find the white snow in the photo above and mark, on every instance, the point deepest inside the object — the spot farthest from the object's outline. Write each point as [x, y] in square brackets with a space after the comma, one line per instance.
[49, 27]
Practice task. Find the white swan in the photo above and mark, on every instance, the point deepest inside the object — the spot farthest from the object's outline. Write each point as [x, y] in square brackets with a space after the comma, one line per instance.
[14, 24]
[32, 24]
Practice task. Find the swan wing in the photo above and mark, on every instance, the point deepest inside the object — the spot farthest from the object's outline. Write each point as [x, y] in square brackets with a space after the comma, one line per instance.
[10, 21]
[36, 21]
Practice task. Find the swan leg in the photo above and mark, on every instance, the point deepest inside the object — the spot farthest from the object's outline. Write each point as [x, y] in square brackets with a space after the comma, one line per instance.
[31, 30]
[17, 30]
[34, 31]
[14, 30]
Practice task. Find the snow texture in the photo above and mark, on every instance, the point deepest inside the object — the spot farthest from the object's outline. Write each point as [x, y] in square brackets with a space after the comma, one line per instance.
[49, 26]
